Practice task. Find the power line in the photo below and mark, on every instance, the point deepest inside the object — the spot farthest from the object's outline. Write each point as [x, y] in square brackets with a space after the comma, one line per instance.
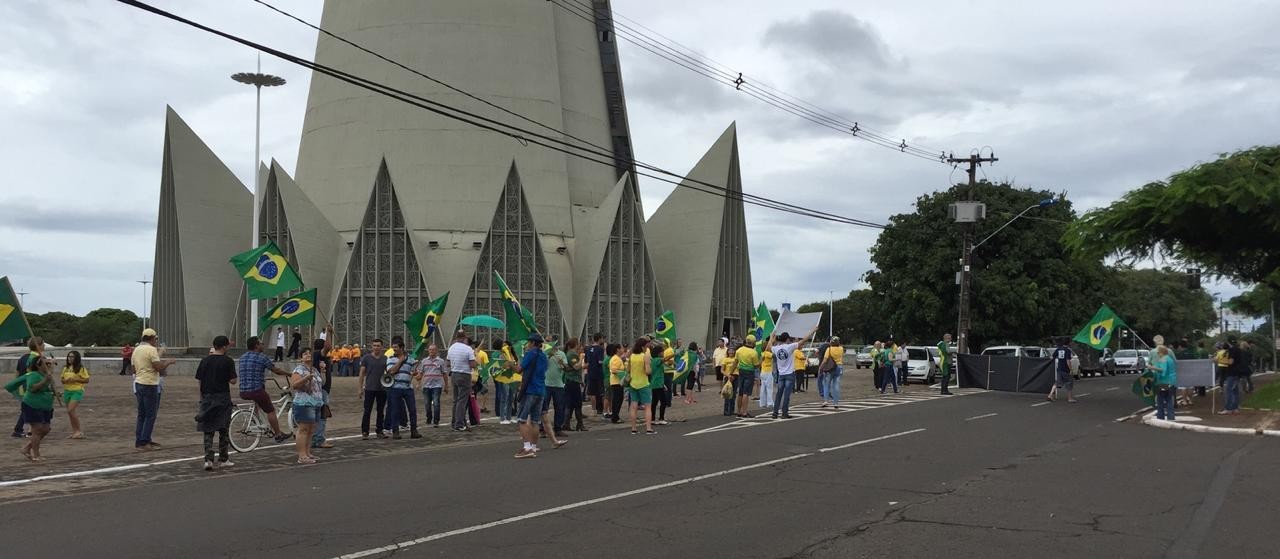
[523, 135]
[720, 73]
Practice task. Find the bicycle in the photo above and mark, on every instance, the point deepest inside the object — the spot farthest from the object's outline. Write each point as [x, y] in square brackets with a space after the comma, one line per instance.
[248, 425]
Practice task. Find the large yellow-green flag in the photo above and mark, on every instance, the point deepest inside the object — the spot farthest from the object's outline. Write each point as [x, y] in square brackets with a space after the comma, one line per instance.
[266, 272]
[13, 323]
[298, 310]
[424, 323]
[1097, 333]
[665, 326]
[519, 320]
[764, 324]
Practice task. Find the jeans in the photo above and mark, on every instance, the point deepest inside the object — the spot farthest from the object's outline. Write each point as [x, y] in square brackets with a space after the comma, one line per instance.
[431, 398]
[1165, 403]
[20, 427]
[224, 445]
[1231, 387]
[833, 385]
[502, 393]
[782, 400]
[822, 385]
[372, 397]
[317, 437]
[148, 397]
[890, 377]
[556, 400]
[461, 399]
[732, 401]
[398, 400]
[573, 392]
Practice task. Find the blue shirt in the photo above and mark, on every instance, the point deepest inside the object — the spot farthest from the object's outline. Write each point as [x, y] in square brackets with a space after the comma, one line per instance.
[402, 372]
[533, 367]
[594, 356]
[253, 368]
[1062, 358]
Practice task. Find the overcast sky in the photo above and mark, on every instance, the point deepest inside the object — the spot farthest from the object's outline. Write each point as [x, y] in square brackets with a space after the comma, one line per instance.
[1091, 97]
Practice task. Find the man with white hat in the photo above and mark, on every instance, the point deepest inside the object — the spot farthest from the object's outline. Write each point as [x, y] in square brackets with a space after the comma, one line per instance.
[147, 370]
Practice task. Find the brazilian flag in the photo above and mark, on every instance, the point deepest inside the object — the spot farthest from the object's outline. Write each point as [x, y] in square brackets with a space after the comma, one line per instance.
[13, 322]
[1097, 333]
[764, 325]
[686, 363]
[424, 323]
[665, 327]
[1144, 387]
[265, 271]
[519, 319]
[299, 310]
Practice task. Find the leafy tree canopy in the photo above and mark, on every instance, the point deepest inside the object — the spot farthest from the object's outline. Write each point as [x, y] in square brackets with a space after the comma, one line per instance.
[1221, 216]
[101, 327]
[1159, 302]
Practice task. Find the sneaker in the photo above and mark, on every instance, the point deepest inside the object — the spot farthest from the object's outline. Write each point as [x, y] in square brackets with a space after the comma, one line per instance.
[208, 465]
[651, 432]
[774, 416]
[415, 435]
[18, 435]
[153, 446]
[786, 416]
[504, 422]
[662, 422]
[382, 435]
[226, 464]
[463, 428]
[396, 436]
[282, 438]
[526, 453]
[364, 437]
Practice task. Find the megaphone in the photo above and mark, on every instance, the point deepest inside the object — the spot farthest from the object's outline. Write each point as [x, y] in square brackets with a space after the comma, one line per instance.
[388, 379]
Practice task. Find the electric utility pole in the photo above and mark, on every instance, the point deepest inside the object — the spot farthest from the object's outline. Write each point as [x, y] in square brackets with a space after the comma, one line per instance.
[967, 213]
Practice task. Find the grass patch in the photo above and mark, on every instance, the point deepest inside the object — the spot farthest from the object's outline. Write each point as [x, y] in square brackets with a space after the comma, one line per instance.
[1265, 397]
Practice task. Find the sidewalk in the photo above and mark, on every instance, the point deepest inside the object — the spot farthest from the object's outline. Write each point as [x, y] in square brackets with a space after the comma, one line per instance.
[1201, 415]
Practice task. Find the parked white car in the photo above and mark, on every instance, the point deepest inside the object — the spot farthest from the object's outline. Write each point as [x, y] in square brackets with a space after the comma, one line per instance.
[921, 365]
[1130, 361]
[1014, 351]
[863, 358]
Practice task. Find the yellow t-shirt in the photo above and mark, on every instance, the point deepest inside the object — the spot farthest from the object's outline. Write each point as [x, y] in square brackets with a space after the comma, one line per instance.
[616, 367]
[836, 353]
[730, 365]
[766, 361]
[638, 364]
[748, 359]
[669, 361]
[144, 358]
[718, 356]
[799, 361]
[73, 381]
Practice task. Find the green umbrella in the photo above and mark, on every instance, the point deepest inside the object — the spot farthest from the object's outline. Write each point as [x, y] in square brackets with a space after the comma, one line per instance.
[482, 321]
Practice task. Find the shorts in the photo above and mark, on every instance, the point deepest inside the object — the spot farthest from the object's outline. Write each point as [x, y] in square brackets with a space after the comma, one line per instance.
[306, 414]
[530, 410]
[69, 396]
[36, 417]
[746, 382]
[640, 396]
[1063, 380]
[261, 398]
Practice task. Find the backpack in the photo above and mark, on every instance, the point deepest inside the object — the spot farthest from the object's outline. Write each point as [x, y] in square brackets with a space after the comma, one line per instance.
[21, 368]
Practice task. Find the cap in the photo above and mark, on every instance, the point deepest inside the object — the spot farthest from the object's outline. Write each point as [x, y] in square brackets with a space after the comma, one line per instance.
[148, 333]
[535, 338]
[751, 339]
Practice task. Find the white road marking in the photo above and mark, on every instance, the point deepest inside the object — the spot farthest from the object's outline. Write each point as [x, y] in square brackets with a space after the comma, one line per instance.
[1133, 415]
[982, 416]
[127, 467]
[1041, 404]
[1083, 395]
[1113, 388]
[814, 409]
[555, 510]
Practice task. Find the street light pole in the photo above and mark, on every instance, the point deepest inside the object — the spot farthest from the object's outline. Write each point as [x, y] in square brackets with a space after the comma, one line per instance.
[144, 301]
[22, 298]
[258, 80]
[831, 310]
[965, 251]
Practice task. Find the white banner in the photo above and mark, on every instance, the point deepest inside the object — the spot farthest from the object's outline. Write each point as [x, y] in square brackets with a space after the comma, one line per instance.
[1195, 372]
[797, 323]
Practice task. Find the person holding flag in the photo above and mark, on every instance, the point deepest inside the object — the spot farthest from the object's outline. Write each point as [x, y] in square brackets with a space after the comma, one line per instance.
[37, 397]
[639, 387]
[533, 371]
[944, 362]
[686, 371]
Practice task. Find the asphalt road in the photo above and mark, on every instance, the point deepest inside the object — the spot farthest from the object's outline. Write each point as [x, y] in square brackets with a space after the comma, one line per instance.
[980, 475]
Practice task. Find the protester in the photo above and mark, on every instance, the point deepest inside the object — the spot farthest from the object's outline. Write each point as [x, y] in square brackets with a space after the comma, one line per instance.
[692, 364]
[768, 377]
[253, 367]
[729, 368]
[533, 370]
[19, 428]
[944, 362]
[573, 380]
[147, 370]
[554, 403]
[1235, 368]
[74, 376]
[617, 370]
[658, 383]
[748, 364]
[126, 355]
[890, 374]
[216, 372]
[784, 356]
[833, 358]
[295, 343]
[308, 398]
[900, 360]
[279, 355]
[718, 356]
[322, 359]
[1246, 366]
[37, 395]
[594, 357]
[1062, 380]
[462, 359]
[1166, 368]
[800, 365]
[431, 369]
[638, 384]
[480, 379]
[372, 366]
[400, 393]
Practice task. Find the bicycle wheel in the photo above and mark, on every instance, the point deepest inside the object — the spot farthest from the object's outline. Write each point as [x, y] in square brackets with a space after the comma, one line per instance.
[244, 434]
[286, 418]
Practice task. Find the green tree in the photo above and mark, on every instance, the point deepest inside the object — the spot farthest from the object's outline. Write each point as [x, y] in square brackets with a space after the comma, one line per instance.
[1255, 302]
[108, 327]
[1220, 216]
[1026, 285]
[858, 320]
[1159, 302]
[57, 328]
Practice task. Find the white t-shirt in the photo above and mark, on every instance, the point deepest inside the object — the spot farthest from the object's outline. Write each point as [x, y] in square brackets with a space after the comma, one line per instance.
[460, 357]
[324, 335]
[784, 358]
[280, 338]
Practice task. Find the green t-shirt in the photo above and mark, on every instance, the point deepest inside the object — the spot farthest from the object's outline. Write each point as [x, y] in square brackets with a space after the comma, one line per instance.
[573, 373]
[555, 368]
[39, 399]
[944, 355]
[657, 376]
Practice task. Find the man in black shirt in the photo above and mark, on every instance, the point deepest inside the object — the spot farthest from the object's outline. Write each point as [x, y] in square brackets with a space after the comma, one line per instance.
[594, 357]
[372, 366]
[216, 374]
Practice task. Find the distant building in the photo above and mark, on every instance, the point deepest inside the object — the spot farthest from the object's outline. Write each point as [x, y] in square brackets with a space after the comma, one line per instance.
[394, 205]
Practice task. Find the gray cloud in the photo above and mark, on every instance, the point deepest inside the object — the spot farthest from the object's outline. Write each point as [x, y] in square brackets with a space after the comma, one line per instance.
[840, 39]
[48, 218]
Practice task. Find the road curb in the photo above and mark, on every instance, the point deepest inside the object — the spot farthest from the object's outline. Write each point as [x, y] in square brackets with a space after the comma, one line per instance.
[1150, 419]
